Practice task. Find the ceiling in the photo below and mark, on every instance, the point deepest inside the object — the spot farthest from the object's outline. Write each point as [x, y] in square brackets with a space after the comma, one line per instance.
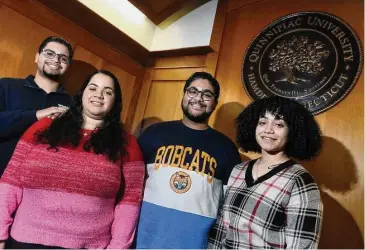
[160, 12]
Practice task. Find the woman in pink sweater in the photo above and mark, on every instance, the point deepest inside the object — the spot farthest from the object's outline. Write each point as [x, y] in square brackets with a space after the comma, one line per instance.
[76, 181]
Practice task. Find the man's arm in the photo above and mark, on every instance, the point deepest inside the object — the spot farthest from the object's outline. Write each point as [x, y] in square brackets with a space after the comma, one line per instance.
[13, 123]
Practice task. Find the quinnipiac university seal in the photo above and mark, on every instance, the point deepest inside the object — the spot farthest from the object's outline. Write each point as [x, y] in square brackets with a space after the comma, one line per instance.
[312, 57]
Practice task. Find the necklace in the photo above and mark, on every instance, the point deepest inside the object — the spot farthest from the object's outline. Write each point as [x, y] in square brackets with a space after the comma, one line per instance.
[268, 167]
[273, 166]
[87, 133]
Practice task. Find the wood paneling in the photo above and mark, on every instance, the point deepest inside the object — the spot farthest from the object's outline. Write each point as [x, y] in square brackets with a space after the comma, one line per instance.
[26, 24]
[161, 94]
[182, 52]
[180, 62]
[143, 99]
[235, 4]
[137, 91]
[174, 74]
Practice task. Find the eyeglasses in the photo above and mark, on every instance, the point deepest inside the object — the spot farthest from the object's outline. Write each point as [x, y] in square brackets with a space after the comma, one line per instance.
[193, 92]
[50, 54]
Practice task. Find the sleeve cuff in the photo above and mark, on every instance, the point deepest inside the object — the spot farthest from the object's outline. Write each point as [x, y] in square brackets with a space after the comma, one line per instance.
[30, 116]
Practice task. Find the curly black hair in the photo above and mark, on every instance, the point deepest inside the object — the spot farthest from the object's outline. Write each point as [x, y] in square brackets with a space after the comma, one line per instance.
[205, 76]
[110, 139]
[304, 138]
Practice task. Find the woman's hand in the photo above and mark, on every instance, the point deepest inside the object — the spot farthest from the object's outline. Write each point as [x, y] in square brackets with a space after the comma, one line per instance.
[2, 244]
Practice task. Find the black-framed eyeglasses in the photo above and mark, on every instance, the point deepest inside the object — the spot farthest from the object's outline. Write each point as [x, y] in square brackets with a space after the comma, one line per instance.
[50, 54]
[193, 92]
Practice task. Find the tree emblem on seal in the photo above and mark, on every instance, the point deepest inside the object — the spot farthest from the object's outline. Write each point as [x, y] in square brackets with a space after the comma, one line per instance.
[298, 55]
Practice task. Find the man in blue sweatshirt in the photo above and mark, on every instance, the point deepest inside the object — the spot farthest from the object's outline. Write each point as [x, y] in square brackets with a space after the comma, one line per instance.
[188, 165]
[24, 101]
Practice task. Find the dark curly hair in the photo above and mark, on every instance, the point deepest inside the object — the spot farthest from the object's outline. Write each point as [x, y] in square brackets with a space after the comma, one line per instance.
[205, 76]
[57, 39]
[304, 138]
[110, 139]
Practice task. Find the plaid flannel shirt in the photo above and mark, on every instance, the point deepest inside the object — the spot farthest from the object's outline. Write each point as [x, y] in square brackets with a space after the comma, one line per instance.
[281, 209]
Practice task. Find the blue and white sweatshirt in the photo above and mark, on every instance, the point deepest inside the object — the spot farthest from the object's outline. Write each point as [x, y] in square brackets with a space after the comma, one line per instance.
[186, 172]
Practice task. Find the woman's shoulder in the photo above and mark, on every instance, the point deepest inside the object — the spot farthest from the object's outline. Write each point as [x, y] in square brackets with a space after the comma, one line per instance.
[301, 177]
[239, 168]
[131, 140]
[298, 170]
[38, 126]
[304, 189]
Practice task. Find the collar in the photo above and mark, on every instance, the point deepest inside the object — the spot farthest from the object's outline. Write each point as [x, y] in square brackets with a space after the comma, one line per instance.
[194, 130]
[29, 82]
[249, 177]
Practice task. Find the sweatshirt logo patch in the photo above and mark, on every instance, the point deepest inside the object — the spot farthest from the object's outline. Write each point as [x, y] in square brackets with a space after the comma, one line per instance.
[180, 182]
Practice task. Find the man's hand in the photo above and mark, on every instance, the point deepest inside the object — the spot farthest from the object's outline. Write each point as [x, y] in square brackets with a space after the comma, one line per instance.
[51, 112]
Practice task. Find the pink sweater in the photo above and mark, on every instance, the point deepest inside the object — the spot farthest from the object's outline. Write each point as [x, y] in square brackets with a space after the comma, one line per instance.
[67, 198]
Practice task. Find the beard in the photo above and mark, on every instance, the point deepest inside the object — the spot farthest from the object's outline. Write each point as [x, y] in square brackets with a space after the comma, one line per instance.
[201, 118]
[54, 76]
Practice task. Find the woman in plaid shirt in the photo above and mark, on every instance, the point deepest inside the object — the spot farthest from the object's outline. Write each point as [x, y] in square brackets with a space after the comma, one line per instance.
[272, 201]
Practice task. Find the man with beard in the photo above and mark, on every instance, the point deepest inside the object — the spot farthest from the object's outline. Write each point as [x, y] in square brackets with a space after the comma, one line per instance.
[24, 101]
[188, 164]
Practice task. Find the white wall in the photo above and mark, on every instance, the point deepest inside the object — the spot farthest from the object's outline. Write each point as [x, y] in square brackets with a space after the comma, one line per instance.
[192, 30]
[124, 16]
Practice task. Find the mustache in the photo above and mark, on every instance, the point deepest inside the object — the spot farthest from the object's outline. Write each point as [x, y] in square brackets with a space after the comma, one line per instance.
[201, 103]
[54, 63]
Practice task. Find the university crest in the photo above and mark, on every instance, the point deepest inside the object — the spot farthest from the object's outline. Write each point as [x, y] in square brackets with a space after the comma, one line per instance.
[312, 57]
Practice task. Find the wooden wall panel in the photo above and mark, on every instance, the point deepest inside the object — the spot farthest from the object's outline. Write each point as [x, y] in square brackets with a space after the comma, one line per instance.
[180, 62]
[137, 125]
[164, 95]
[174, 74]
[26, 23]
